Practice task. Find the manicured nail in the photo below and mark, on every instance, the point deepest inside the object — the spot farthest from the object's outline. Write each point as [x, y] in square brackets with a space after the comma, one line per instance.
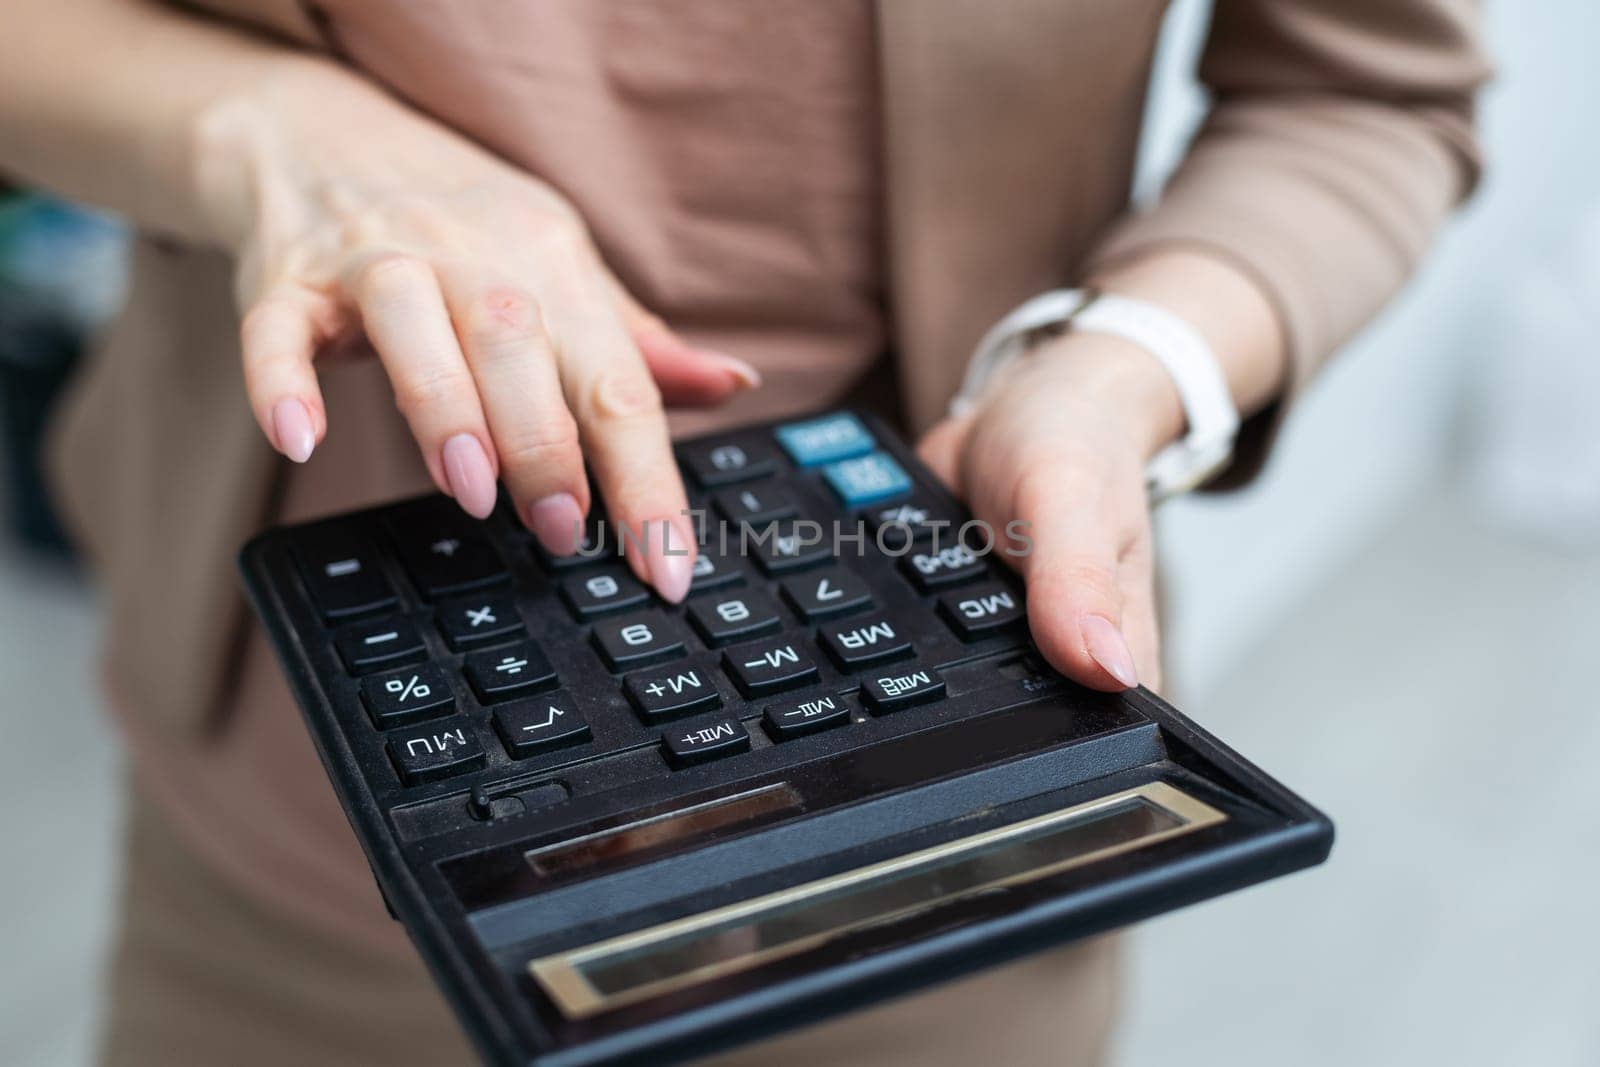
[1104, 643]
[469, 474]
[671, 563]
[743, 373]
[557, 521]
[291, 425]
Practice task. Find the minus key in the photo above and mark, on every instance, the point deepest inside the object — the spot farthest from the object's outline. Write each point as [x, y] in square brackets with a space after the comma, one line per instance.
[386, 642]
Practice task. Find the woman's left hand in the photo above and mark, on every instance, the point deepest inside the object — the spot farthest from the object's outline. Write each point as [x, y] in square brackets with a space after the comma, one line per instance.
[1060, 440]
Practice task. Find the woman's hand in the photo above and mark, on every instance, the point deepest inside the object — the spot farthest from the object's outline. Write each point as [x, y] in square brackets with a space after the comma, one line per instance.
[1060, 440]
[513, 351]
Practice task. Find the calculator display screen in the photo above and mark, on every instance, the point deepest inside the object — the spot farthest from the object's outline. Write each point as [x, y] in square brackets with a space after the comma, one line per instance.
[740, 936]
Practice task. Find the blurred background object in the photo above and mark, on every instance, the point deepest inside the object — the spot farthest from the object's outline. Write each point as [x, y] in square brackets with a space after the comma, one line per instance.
[1399, 620]
[1536, 409]
[62, 275]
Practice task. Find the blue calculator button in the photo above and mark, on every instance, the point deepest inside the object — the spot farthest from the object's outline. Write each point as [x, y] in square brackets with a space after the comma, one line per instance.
[825, 440]
[867, 479]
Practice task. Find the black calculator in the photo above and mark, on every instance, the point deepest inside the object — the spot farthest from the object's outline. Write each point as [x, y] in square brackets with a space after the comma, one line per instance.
[624, 831]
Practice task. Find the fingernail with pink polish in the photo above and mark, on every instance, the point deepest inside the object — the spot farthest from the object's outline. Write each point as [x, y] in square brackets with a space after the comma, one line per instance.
[1105, 645]
[557, 521]
[291, 425]
[469, 474]
[672, 561]
[745, 374]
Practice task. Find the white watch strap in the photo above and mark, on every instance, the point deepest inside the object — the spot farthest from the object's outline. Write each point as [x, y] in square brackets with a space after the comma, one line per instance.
[1213, 420]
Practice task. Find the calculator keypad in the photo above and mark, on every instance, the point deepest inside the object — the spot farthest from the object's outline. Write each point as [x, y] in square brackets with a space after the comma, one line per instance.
[788, 546]
[407, 696]
[755, 504]
[823, 594]
[473, 622]
[529, 727]
[728, 463]
[461, 652]
[636, 639]
[978, 611]
[385, 642]
[734, 616]
[893, 690]
[669, 692]
[434, 752]
[861, 643]
[770, 666]
[797, 718]
[597, 592]
[696, 743]
[343, 575]
[506, 673]
[443, 551]
[934, 568]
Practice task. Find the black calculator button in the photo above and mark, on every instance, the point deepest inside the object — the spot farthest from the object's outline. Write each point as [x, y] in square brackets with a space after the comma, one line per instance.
[510, 672]
[893, 690]
[599, 545]
[734, 616]
[864, 642]
[407, 696]
[825, 593]
[712, 570]
[596, 593]
[950, 564]
[755, 504]
[665, 694]
[528, 727]
[978, 611]
[787, 546]
[385, 642]
[444, 551]
[796, 718]
[769, 666]
[480, 620]
[896, 527]
[439, 751]
[342, 574]
[688, 745]
[637, 639]
[715, 464]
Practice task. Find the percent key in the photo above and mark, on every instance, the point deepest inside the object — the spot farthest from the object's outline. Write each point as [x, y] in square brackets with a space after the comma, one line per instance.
[403, 697]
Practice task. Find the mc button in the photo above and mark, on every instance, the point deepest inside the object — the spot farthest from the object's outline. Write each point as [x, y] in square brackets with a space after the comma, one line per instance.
[980, 610]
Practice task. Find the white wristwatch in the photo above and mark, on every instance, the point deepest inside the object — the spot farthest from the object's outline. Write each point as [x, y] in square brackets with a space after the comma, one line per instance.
[1212, 417]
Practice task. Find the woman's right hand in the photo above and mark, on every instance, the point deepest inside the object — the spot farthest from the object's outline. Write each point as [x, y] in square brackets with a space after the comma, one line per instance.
[513, 351]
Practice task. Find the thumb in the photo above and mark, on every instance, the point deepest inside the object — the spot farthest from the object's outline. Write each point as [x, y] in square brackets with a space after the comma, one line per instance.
[940, 449]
